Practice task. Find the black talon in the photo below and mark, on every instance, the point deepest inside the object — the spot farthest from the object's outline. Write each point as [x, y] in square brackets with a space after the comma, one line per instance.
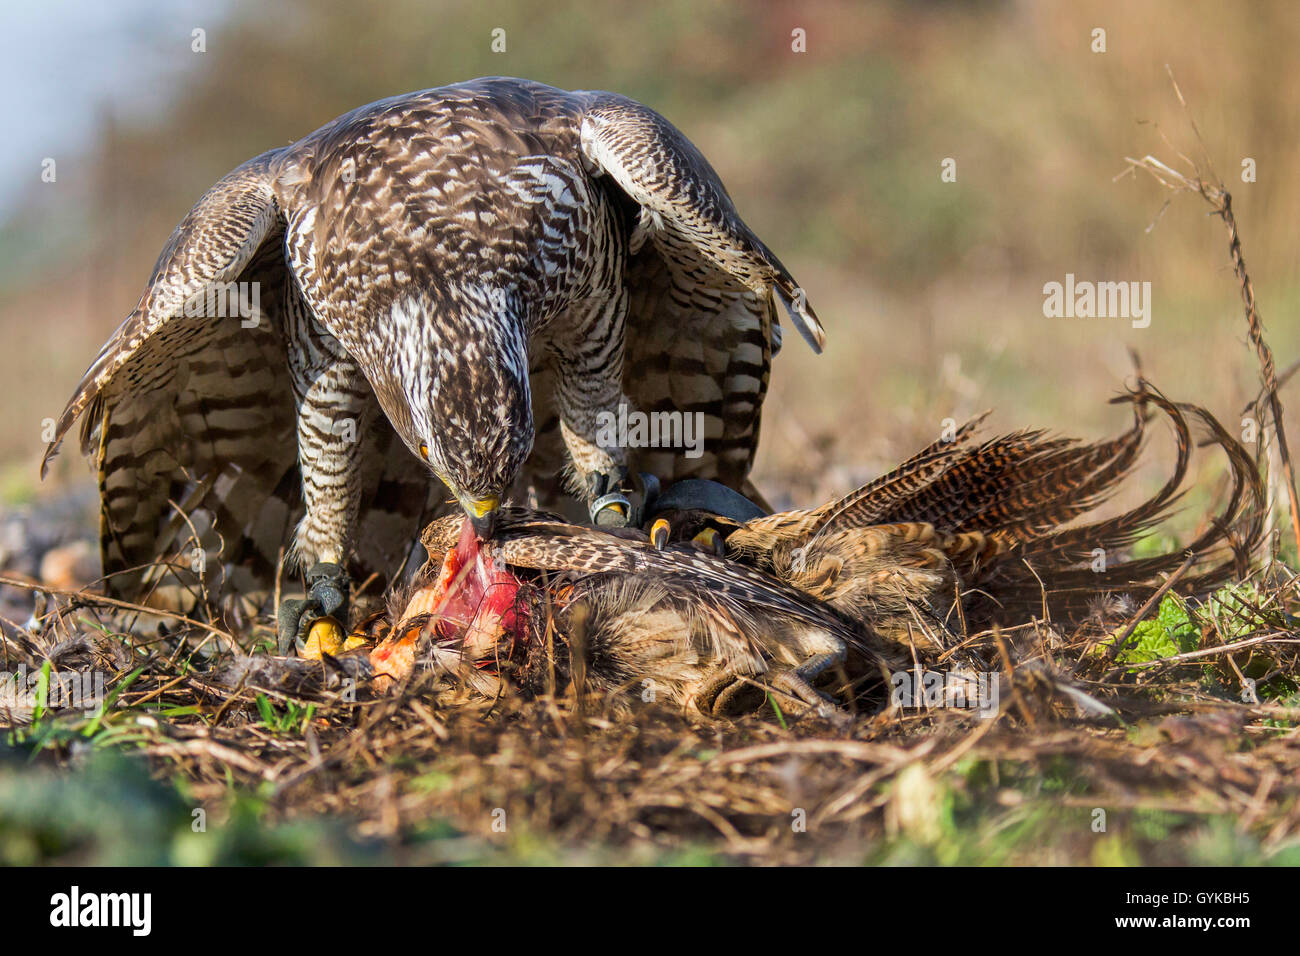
[289, 619]
[709, 541]
[660, 531]
[646, 487]
[601, 483]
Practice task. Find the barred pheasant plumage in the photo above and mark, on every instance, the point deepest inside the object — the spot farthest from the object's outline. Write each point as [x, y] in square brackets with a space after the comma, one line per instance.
[990, 526]
[970, 531]
[467, 275]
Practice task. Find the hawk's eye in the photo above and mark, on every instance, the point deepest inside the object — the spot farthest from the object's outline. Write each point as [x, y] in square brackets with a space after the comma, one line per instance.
[424, 451]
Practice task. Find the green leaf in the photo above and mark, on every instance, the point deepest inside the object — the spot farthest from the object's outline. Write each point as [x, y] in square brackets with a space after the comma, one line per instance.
[1169, 633]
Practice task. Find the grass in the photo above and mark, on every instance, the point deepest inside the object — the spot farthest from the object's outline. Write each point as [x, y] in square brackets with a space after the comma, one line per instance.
[177, 769]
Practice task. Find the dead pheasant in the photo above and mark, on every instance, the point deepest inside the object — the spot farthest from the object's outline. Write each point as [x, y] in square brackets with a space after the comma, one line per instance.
[675, 622]
[712, 602]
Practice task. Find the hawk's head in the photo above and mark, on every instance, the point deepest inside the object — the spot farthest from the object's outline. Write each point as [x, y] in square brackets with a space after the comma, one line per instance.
[468, 409]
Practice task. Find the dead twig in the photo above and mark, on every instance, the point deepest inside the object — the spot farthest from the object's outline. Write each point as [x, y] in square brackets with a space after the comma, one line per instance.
[1212, 190]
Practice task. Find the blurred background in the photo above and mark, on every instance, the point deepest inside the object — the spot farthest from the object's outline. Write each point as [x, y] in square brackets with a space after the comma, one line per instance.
[931, 291]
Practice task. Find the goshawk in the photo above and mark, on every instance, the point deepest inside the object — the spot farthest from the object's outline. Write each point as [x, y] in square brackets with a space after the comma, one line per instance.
[458, 283]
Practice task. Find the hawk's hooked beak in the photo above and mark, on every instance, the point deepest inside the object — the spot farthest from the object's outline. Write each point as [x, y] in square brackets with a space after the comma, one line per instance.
[482, 514]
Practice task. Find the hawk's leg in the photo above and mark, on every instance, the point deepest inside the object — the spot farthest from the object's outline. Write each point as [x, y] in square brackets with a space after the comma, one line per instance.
[336, 411]
[588, 355]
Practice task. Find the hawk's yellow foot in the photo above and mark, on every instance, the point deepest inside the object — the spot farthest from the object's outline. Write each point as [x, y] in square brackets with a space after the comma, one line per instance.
[325, 635]
[299, 619]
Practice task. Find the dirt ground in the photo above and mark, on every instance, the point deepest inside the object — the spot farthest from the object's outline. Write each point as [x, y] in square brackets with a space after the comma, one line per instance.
[1083, 760]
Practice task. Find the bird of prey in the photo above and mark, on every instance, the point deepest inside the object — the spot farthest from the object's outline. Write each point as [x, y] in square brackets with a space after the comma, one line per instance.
[965, 532]
[455, 284]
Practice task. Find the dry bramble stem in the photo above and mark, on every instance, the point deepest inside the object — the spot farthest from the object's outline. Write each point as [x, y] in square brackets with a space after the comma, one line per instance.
[1213, 191]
